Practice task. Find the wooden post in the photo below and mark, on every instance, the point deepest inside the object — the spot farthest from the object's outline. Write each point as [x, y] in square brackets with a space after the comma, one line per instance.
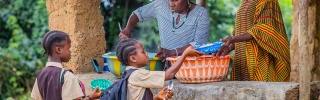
[202, 3]
[294, 49]
[304, 53]
[313, 40]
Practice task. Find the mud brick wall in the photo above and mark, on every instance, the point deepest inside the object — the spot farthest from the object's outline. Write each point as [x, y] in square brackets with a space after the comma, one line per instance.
[82, 20]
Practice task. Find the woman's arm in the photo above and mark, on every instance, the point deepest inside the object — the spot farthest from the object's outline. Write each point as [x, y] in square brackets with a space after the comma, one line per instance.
[126, 32]
[174, 68]
[239, 38]
[242, 37]
[143, 13]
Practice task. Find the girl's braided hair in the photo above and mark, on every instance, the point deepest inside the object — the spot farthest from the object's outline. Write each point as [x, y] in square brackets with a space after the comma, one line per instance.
[51, 38]
[125, 49]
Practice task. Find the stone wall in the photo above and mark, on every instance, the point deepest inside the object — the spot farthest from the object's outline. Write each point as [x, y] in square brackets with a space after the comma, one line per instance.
[225, 90]
[313, 43]
[82, 20]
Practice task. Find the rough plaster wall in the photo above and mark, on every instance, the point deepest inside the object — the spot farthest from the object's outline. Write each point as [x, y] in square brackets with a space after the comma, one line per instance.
[313, 36]
[82, 20]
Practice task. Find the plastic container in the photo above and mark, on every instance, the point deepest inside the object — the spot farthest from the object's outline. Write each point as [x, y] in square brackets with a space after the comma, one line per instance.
[105, 65]
[115, 67]
[202, 69]
[209, 48]
[101, 83]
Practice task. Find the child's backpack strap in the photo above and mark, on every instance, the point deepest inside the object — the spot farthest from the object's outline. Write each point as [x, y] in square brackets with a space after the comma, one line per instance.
[63, 71]
[62, 76]
[126, 76]
[118, 90]
[128, 73]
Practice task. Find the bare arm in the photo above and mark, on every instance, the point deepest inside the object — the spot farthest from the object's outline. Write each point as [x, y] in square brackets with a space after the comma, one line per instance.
[146, 12]
[133, 21]
[126, 32]
[239, 38]
[242, 37]
[176, 66]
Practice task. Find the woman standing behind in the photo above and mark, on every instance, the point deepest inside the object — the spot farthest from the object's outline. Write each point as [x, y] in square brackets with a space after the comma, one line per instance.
[260, 43]
[181, 24]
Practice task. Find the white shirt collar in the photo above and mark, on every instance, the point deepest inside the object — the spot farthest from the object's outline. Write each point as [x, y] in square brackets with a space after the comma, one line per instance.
[129, 67]
[56, 64]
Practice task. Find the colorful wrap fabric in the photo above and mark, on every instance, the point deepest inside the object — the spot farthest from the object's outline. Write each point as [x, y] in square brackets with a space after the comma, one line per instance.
[266, 57]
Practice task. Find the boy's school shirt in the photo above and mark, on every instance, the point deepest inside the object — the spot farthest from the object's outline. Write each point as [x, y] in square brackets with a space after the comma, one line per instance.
[141, 79]
[70, 88]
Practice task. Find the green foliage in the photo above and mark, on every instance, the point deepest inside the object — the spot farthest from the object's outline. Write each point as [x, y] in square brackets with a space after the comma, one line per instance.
[23, 23]
[114, 12]
[222, 18]
[286, 10]
[148, 35]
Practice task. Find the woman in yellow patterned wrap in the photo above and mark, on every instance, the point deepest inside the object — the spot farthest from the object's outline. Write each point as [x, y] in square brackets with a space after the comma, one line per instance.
[260, 43]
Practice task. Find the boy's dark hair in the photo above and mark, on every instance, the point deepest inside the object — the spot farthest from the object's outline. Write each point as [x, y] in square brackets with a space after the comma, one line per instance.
[125, 49]
[52, 37]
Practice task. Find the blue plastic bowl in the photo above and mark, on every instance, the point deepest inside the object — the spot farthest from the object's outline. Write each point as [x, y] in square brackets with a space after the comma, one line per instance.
[103, 84]
[209, 48]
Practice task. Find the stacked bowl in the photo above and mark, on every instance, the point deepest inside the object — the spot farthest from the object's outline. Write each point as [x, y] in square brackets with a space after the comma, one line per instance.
[115, 67]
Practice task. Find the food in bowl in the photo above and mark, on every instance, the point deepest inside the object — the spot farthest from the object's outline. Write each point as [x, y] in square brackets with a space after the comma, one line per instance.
[115, 67]
[209, 48]
[202, 69]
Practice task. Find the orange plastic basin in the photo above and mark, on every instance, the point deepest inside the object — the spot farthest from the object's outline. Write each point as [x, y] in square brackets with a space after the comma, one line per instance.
[202, 69]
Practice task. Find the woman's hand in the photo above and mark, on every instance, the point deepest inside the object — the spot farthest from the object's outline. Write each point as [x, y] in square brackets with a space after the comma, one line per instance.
[95, 94]
[124, 34]
[224, 50]
[164, 93]
[227, 41]
[164, 53]
[226, 47]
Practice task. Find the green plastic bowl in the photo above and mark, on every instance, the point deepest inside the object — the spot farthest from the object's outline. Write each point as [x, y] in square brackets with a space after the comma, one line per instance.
[101, 83]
